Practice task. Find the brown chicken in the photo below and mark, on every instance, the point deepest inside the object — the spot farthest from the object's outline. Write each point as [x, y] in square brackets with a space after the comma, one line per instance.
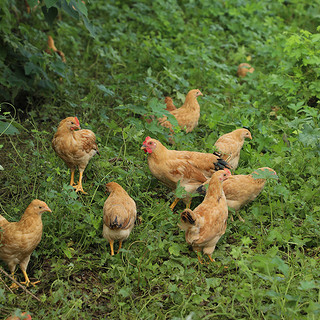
[207, 222]
[242, 189]
[243, 69]
[230, 145]
[75, 148]
[188, 115]
[19, 239]
[119, 215]
[170, 106]
[171, 166]
[24, 316]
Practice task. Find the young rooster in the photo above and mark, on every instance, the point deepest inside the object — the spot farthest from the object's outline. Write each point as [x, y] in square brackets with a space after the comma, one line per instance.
[207, 222]
[75, 148]
[119, 215]
[171, 166]
[241, 189]
[19, 239]
[188, 115]
[230, 145]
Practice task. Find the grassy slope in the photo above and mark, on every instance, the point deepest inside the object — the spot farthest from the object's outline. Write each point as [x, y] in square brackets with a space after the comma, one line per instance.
[265, 268]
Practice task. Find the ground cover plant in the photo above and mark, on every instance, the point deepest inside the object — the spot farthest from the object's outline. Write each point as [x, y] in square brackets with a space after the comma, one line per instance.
[122, 59]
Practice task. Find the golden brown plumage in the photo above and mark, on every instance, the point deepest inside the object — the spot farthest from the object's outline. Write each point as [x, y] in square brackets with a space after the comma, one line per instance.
[188, 115]
[207, 222]
[119, 215]
[171, 166]
[19, 239]
[242, 189]
[243, 69]
[230, 145]
[170, 106]
[75, 148]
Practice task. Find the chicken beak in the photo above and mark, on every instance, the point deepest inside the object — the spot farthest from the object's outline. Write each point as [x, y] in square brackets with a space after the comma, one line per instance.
[47, 209]
[143, 147]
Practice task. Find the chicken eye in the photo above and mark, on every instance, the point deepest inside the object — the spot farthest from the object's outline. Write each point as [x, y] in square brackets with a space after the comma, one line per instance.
[150, 142]
[40, 207]
[72, 122]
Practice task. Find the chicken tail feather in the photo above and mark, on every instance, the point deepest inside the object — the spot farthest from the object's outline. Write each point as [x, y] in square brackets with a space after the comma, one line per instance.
[187, 216]
[221, 164]
[3, 221]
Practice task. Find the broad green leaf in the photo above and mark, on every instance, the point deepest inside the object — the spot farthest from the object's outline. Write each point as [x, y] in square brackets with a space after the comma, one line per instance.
[50, 14]
[8, 128]
[307, 285]
[50, 3]
[33, 3]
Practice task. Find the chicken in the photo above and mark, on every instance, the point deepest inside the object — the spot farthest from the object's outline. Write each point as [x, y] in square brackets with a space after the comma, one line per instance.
[75, 148]
[208, 221]
[188, 115]
[19, 239]
[171, 166]
[24, 316]
[242, 189]
[243, 69]
[170, 106]
[119, 215]
[230, 145]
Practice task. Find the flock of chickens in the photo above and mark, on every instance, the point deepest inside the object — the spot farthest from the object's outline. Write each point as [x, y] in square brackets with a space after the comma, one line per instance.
[206, 173]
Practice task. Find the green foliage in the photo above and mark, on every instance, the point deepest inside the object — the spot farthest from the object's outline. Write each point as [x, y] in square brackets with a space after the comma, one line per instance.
[119, 67]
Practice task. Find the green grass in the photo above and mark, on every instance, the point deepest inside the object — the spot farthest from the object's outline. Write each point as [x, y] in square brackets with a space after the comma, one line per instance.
[267, 267]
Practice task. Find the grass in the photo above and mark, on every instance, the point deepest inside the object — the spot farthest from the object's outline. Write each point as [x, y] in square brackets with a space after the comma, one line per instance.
[267, 267]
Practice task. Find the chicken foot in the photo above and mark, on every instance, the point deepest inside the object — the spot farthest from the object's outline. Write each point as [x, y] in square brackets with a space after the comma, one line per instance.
[13, 285]
[27, 282]
[78, 187]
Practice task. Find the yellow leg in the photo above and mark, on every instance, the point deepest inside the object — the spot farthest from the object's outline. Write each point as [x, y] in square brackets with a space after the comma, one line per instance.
[188, 205]
[176, 200]
[27, 282]
[212, 260]
[199, 258]
[72, 178]
[120, 245]
[111, 246]
[78, 187]
[14, 285]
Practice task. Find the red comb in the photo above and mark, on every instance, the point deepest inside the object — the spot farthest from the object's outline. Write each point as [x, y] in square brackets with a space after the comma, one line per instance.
[77, 121]
[145, 141]
[227, 170]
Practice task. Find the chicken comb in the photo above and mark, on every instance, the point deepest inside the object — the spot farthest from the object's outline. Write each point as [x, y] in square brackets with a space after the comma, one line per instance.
[227, 170]
[145, 141]
[77, 121]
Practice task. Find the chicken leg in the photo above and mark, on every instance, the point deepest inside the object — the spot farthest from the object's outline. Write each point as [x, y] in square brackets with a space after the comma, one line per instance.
[174, 203]
[111, 246]
[13, 285]
[27, 282]
[72, 178]
[120, 245]
[199, 258]
[78, 187]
